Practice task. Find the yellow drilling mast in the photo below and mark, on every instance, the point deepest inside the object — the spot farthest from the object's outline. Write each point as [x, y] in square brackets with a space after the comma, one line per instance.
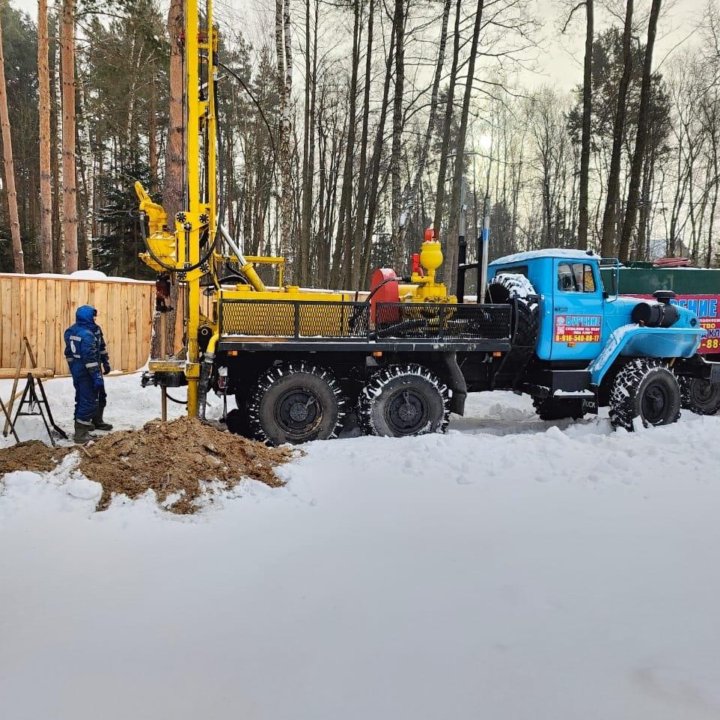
[196, 226]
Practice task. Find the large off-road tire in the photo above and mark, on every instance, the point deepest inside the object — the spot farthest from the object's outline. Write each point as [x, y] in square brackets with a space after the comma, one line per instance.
[557, 409]
[700, 396]
[645, 389]
[509, 287]
[403, 400]
[295, 403]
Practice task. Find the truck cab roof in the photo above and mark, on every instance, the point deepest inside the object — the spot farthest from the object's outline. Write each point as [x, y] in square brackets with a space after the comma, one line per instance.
[546, 253]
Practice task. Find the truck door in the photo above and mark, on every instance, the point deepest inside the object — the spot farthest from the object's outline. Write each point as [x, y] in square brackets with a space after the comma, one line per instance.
[577, 310]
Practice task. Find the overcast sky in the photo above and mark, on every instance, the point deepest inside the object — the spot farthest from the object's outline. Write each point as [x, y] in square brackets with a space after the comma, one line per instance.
[558, 62]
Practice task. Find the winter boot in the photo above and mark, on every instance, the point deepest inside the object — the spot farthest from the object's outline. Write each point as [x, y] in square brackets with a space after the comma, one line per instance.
[98, 421]
[82, 431]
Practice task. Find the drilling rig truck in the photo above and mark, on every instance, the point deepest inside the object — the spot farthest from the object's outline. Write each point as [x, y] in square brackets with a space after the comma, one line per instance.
[401, 358]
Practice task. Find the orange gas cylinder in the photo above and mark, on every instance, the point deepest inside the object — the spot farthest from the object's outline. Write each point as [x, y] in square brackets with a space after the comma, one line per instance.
[384, 289]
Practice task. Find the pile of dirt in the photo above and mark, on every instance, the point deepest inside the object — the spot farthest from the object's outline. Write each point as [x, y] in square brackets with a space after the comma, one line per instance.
[181, 456]
[30, 455]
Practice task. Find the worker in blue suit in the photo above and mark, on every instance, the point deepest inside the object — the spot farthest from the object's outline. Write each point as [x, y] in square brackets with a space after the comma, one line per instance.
[86, 353]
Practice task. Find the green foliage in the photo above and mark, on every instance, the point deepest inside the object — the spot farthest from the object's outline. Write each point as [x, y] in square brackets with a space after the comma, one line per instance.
[120, 241]
[20, 50]
[124, 73]
[607, 68]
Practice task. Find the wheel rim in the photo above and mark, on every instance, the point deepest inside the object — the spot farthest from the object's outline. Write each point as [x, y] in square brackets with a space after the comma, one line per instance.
[654, 403]
[407, 412]
[298, 412]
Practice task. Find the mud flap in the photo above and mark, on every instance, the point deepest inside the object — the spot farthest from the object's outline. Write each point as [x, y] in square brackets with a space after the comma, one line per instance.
[456, 383]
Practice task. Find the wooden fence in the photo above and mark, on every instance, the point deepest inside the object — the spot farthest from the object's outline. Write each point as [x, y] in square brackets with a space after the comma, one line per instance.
[41, 308]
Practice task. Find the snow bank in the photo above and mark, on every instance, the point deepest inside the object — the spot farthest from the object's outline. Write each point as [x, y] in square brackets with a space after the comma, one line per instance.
[512, 568]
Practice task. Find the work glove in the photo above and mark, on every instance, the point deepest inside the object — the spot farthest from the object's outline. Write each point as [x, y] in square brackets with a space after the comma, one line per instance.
[98, 383]
[106, 367]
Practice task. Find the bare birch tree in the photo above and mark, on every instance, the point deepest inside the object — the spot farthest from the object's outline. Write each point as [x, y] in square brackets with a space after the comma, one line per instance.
[613, 183]
[640, 138]
[283, 48]
[46, 244]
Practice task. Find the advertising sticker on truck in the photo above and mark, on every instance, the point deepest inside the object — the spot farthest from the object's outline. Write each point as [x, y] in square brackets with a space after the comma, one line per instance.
[706, 308]
[578, 328]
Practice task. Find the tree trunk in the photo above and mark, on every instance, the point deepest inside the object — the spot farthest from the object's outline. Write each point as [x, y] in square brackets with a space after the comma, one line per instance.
[173, 184]
[18, 257]
[174, 181]
[152, 139]
[363, 180]
[55, 171]
[397, 130]
[84, 158]
[283, 46]
[307, 173]
[69, 185]
[447, 124]
[586, 128]
[451, 253]
[46, 198]
[411, 199]
[341, 265]
[374, 182]
[613, 183]
[641, 137]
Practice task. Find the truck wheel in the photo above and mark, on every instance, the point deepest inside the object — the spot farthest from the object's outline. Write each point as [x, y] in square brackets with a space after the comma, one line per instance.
[507, 287]
[557, 409]
[647, 389]
[295, 403]
[403, 400]
[700, 396]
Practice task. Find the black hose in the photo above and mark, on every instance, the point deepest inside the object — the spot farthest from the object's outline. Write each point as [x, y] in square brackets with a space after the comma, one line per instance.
[371, 294]
[255, 101]
[175, 400]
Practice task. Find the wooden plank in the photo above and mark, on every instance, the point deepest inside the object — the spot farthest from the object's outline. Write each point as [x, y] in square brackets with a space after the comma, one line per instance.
[67, 317]
[41, 323]
[101, 305]
[30, 310]
[16, 317]
[133, 301]
[51, 322]
[148, 326]
[41, 372]
[115, 329]
[6, 320]
[127, 339]
[139, 302]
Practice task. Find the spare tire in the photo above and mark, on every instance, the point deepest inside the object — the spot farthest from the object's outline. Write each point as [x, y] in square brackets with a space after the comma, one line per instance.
[517, 290]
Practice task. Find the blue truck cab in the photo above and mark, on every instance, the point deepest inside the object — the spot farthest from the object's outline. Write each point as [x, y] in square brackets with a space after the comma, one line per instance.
[591, 345]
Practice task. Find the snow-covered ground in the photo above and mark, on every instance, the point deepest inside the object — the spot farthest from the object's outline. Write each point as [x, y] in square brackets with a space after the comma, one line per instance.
[512, 569]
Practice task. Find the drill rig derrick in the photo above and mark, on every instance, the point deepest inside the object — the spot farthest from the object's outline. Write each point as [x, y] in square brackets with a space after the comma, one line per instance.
[178, 251]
